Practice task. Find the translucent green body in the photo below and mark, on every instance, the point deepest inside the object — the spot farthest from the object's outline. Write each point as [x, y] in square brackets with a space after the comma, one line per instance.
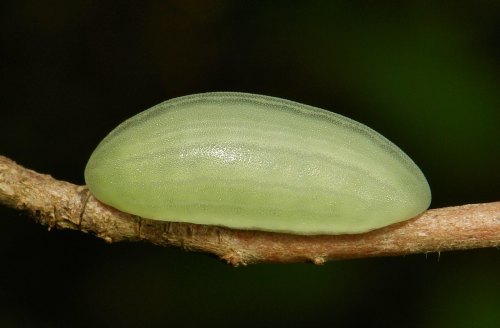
[255, 162]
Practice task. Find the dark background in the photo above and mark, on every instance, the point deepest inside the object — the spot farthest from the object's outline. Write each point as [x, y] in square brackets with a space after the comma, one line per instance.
[424, 74]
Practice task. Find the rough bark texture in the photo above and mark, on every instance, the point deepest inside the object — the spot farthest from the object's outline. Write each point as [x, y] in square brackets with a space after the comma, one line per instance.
[63, 205]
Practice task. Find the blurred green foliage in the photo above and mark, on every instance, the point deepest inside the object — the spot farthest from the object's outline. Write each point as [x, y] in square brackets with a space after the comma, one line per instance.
[424, 74]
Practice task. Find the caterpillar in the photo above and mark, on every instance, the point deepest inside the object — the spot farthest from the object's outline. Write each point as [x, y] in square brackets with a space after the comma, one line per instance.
[248, 161]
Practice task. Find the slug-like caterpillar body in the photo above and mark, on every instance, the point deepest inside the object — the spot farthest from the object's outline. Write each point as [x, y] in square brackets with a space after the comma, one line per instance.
[248, 161]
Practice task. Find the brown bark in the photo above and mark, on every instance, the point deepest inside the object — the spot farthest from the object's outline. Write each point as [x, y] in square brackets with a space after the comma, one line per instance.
[63, 205]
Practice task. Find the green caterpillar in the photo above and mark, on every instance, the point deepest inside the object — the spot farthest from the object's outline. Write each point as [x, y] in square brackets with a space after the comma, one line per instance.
[248, 161]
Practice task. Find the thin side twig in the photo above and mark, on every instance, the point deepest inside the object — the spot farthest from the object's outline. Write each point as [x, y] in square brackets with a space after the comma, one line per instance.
[63, 205]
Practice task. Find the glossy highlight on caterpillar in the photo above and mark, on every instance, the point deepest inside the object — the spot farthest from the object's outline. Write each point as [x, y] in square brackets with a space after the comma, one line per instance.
[247, 161]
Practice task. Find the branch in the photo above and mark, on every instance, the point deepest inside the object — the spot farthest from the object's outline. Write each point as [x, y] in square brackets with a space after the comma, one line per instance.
[62, 205]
